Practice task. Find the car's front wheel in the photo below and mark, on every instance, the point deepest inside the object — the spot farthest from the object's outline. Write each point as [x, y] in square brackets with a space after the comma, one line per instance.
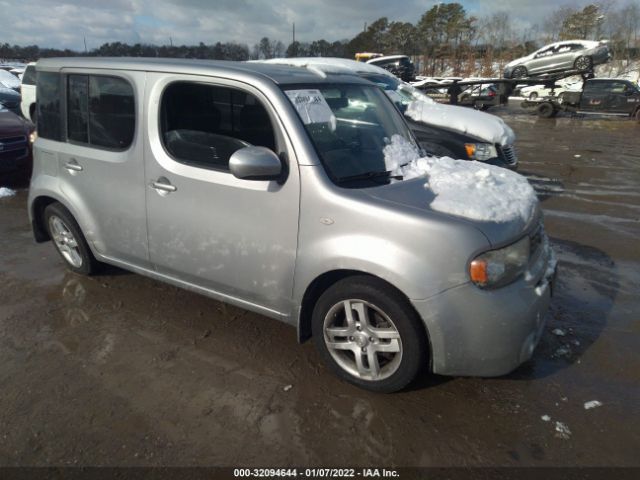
[519, 72]
[583, 63]
[533, 95]
[369, 335]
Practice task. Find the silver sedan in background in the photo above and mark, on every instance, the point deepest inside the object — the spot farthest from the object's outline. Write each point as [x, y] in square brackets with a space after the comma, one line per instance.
[580, 55]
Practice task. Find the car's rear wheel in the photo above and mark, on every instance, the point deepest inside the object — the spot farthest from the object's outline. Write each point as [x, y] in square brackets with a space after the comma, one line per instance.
[533, 95]
[583, 63]
[546, 110]
[369, 334]
[519, 72]
[69, 240]
[636, 115]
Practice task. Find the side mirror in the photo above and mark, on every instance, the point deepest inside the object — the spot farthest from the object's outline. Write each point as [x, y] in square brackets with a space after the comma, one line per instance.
[255, 163]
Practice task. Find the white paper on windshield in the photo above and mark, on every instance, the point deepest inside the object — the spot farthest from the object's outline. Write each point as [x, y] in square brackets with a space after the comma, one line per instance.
[312, 107]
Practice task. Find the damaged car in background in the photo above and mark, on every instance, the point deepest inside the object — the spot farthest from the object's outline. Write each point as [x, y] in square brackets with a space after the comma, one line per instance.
[580, 55]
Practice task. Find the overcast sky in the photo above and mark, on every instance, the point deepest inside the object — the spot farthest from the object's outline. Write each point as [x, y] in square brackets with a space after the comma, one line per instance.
[64, 23]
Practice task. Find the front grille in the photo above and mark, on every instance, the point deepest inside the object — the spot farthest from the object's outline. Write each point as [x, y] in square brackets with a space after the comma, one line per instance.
[12, 143]
[509, 154]
[14, 154]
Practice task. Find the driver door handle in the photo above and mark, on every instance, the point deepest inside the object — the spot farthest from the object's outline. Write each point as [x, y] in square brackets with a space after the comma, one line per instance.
[163, 185]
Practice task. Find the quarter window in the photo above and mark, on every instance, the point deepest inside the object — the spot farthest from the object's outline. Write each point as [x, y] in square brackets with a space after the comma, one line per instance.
[100, 111]
[29, 77]
[48, 105]
[203, 125]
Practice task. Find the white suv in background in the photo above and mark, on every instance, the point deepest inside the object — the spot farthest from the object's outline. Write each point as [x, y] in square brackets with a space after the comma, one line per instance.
[28, 92]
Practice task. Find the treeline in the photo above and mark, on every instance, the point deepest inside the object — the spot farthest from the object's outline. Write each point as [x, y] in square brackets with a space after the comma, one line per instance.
[444, 39]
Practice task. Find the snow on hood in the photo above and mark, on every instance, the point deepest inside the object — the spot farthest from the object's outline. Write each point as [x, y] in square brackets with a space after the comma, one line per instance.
[472, 122]
[472, 190]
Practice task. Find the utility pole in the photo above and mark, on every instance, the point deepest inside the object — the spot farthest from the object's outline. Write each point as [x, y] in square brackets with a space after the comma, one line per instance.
[365, 27]
[294, 33]
[171, 41]
[85, 44]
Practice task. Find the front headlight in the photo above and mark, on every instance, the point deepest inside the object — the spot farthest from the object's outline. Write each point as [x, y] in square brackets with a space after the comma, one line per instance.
[32, 137]
[480, 151]
[496, 268]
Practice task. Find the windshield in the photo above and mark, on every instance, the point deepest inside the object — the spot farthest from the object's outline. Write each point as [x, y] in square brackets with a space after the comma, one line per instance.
[349, 125]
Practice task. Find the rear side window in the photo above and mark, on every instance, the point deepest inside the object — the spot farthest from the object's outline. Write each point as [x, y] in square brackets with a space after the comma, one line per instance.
[594, 86]
[48, 106]
[29, 77]
[100, 111]
[203, 125]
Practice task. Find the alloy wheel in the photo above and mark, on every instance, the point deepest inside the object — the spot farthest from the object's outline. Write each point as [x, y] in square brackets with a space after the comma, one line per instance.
[65, 241]
[362, 339]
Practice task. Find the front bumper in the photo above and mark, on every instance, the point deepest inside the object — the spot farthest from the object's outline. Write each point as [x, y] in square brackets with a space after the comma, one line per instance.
[486, 333]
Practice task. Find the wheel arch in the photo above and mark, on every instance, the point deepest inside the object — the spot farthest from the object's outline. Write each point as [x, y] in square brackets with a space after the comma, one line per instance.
[321, 283]
[38, 205]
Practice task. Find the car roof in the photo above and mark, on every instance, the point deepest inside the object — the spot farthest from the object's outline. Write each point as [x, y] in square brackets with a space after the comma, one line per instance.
[388, 57]
[279, 74]
[609, 79]
[586, 43]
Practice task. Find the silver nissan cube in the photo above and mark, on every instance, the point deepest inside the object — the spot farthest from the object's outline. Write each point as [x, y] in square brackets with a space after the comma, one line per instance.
[223, 178]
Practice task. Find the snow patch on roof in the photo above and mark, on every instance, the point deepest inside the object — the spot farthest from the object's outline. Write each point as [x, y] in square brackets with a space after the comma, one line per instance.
[330, 65]
[463, 188]
[385, 58]
[478, 124]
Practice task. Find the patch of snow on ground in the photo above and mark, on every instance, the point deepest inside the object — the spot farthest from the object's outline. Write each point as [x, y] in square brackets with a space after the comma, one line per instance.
[6, 192]
[559, 332]
[592, 404]
[562, 430]
[478, 124]
[545, 418]
[468, 189]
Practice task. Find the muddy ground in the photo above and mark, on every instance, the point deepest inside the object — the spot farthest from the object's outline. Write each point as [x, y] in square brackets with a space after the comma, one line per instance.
[123, 370]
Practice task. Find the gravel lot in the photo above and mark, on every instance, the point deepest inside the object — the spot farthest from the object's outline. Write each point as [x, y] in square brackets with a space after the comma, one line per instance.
[123, 370]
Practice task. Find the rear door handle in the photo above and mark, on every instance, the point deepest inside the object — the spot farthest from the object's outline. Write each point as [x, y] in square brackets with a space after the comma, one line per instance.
[163, 186]
[73, 166]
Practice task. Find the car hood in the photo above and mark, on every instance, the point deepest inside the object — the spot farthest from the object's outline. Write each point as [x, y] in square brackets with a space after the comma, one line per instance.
[11, 124]
[412, 194]
[481, 125]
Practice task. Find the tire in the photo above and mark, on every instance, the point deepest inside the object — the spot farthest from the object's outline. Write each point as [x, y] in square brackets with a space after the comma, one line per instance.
[519, 72]
[32, 113]
[533, 96]
[69, 240]
[636, 115]
[381, 347]
[546, 110]
[583, 63]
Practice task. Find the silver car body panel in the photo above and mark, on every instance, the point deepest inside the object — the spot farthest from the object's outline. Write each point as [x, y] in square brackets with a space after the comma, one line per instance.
[261, 244]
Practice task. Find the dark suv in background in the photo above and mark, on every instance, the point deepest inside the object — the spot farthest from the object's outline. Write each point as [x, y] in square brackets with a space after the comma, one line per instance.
[399, 65]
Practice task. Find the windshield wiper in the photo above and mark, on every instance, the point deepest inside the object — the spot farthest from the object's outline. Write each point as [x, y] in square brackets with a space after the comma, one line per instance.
[369, 176]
